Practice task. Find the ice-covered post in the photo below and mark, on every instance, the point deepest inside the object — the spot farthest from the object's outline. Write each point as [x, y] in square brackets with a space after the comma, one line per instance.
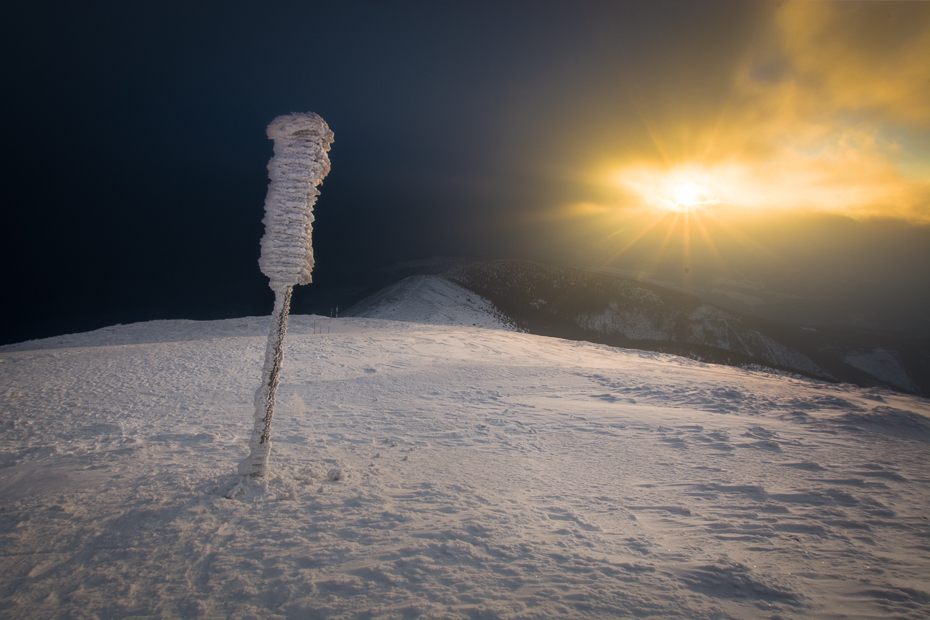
[297, 167]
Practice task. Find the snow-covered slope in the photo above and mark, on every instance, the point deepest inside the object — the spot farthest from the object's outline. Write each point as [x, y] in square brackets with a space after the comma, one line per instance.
[448, 472]
[432, 300]
[882, 364]
[588, 306]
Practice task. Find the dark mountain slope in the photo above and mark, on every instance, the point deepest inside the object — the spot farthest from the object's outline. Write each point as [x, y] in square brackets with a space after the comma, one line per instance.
[582, 305]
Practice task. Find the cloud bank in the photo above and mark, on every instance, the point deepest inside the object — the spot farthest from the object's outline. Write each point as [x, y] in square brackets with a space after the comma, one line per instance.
[829, 110]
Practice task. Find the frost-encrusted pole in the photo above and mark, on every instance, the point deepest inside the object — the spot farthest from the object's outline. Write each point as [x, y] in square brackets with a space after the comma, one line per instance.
[298, 166]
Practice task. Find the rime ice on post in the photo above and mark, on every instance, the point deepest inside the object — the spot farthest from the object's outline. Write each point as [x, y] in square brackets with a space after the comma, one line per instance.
[298, 166]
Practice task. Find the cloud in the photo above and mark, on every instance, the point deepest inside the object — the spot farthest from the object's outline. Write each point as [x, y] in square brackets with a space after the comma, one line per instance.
[829, 111]
[861, 56]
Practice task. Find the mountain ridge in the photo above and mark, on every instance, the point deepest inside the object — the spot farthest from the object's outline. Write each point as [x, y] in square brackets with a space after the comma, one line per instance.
[596, 307]
[577, 304]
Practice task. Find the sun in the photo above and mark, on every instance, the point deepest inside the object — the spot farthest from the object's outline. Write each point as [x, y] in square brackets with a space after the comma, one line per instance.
[681, 193]
[673, 208]
[686, 194]
[684, 189]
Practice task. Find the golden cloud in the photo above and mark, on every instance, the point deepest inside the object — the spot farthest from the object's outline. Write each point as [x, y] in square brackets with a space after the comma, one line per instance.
[861, 56]
[828, 112]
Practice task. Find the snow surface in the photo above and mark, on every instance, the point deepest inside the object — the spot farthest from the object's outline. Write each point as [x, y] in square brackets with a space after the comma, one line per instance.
[448, 472]
[432, 300]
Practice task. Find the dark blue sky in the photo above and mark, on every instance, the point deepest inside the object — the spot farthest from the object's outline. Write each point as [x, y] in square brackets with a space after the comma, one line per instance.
[134, 140]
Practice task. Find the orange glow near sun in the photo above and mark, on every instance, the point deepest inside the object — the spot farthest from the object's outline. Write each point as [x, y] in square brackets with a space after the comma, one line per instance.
[826, 114]
[842, 127]
[679, 190]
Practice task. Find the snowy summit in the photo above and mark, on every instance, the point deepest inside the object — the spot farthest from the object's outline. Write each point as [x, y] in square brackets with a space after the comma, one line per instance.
[432, 300]
[439, 471]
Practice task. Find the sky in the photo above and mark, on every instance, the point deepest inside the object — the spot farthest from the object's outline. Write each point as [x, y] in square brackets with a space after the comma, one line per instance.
[778, 147]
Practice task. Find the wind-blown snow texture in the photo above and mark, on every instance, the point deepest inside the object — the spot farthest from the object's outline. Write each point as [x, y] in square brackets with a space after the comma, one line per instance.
[448, 472]
[299, 164]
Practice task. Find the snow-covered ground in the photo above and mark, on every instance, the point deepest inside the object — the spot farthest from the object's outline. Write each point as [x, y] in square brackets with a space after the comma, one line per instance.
[432, 300]
[448, 472]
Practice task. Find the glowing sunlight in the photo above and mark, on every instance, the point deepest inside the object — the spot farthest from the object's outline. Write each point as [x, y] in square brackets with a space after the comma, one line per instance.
[820, 118]
[678, 191]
